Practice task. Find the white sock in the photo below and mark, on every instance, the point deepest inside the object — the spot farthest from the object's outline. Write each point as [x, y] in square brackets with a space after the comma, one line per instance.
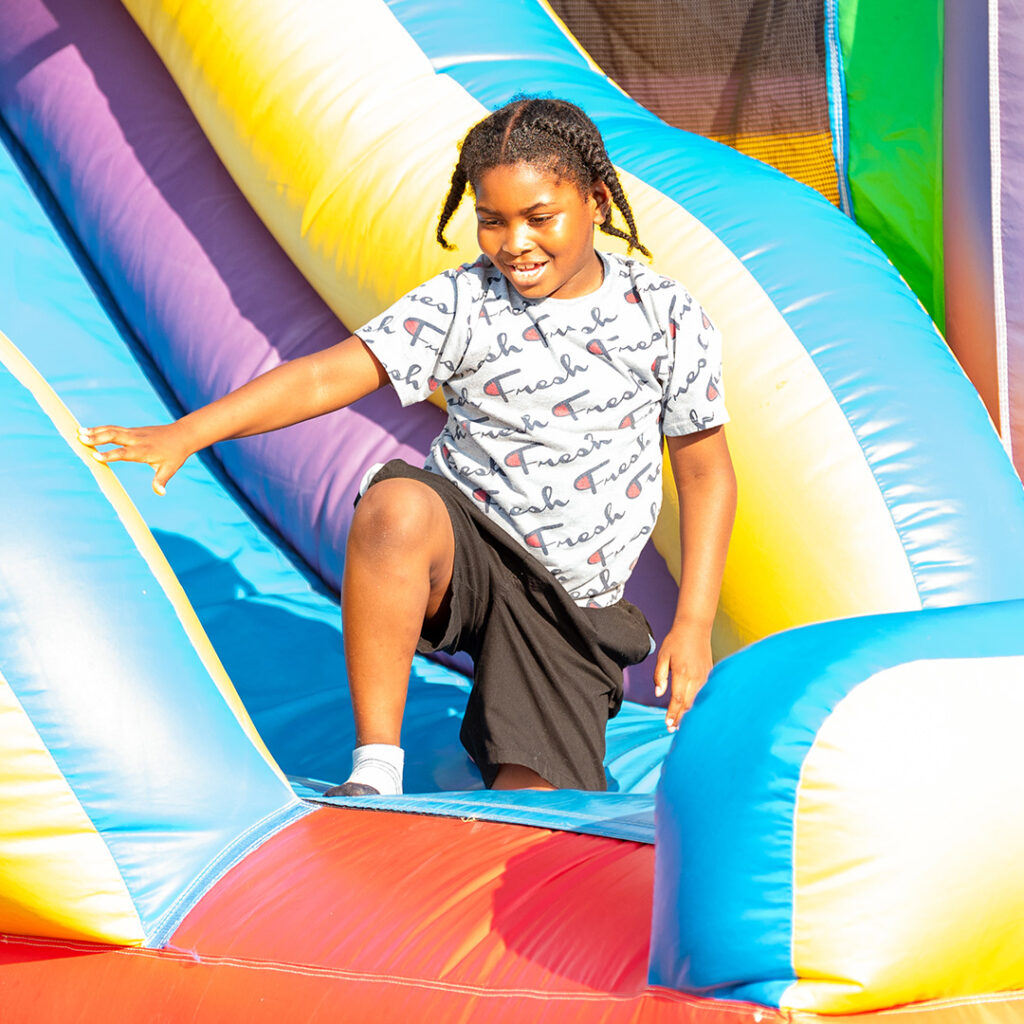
[379, 765]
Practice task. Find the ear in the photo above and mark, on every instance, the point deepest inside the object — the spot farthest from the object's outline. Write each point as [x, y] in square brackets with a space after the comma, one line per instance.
[602, 201]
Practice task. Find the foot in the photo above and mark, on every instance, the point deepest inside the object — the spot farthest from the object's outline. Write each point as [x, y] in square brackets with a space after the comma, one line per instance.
[376, 769]
[352, 789]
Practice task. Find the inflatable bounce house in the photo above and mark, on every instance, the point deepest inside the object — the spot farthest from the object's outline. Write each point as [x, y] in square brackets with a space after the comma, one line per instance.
[195, 190]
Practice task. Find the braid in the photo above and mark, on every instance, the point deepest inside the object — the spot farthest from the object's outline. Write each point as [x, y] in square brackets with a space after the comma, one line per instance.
[550, 132]
[451, 203]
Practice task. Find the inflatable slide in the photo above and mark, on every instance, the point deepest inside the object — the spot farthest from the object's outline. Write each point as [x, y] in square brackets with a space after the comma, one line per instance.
[195, 191]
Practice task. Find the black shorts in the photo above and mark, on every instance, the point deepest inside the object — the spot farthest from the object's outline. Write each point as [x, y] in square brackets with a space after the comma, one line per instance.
[547, 674]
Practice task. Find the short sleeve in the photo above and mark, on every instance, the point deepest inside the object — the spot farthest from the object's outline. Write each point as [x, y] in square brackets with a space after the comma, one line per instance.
[694, 397]
[421, 339]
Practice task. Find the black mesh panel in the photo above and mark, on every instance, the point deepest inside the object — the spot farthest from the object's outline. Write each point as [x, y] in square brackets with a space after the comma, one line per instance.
[749, 73]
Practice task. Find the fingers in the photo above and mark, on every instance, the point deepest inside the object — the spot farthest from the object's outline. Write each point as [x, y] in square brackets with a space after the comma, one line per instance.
[134, 445]
[673, 714]
[662, 672]
[661, 676]
[92, 436]
[113, 455]
[680, 703]
[160, 478]
[131, 443]
[684, 691]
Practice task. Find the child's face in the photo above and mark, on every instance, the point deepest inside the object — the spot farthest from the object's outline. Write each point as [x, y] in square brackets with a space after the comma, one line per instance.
[539, 231]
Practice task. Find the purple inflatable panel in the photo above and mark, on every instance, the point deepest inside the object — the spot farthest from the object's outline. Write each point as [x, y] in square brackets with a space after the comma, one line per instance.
[200, 279]
[983, 204]
[196, 274]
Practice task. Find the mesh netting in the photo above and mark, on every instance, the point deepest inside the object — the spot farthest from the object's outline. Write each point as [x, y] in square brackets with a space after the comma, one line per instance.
[749, 73]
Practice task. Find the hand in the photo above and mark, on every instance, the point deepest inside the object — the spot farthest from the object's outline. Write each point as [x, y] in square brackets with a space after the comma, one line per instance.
[164, 448]
[685, 656]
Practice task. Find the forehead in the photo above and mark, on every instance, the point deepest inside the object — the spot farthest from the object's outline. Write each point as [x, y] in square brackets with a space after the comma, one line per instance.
[520, 186]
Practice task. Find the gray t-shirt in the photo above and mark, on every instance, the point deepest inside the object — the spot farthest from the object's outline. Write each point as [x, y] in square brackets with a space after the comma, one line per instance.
[557, 407]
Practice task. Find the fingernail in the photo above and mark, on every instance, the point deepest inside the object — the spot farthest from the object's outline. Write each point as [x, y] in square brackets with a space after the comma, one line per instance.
[159, 489]
[98, 456]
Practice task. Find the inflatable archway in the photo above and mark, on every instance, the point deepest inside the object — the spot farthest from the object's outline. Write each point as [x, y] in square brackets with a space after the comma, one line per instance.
[800, 850]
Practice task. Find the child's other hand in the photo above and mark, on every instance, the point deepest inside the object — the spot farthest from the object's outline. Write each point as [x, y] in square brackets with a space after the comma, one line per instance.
[685, 656]
[163, 447]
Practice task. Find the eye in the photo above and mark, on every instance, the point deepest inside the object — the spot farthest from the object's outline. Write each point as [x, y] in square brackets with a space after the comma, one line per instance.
[540, 218]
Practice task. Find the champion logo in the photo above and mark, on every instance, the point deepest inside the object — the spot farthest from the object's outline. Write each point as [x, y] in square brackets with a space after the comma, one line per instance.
[415, 327]
[585, 481]
[532, 333]
[712, 392]
[483, 497]
[597, 558]
[596, 348]
[566, 408]
[704, 319]
[494, 386]
[636, 487]
[446, 452]
[627, 421]
[535, 539]
[656, 366]
[517, 459]
[672, 328]
[433, 383]
[632, 296]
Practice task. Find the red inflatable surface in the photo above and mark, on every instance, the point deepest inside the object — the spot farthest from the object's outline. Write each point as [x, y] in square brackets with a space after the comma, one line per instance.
[415, 918]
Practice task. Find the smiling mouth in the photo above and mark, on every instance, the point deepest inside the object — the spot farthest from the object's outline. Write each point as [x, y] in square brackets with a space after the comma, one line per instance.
[525, 272]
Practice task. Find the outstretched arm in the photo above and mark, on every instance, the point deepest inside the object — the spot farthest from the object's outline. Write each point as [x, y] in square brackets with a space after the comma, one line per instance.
[706, 486]
[298, 390]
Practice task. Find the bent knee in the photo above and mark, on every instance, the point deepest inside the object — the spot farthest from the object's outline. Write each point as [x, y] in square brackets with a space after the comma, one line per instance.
[401, 514]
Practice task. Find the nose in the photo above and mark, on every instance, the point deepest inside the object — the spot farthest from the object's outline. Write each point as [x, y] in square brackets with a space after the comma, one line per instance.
[517, 238]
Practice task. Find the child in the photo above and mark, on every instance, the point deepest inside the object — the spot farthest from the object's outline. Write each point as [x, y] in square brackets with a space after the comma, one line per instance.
[563, 369]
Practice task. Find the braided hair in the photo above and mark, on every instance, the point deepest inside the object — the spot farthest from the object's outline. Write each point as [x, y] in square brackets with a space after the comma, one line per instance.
[553, 134]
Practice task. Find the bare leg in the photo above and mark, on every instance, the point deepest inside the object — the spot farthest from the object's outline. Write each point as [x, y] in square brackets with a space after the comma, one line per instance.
[518, 776]
[398, 571]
